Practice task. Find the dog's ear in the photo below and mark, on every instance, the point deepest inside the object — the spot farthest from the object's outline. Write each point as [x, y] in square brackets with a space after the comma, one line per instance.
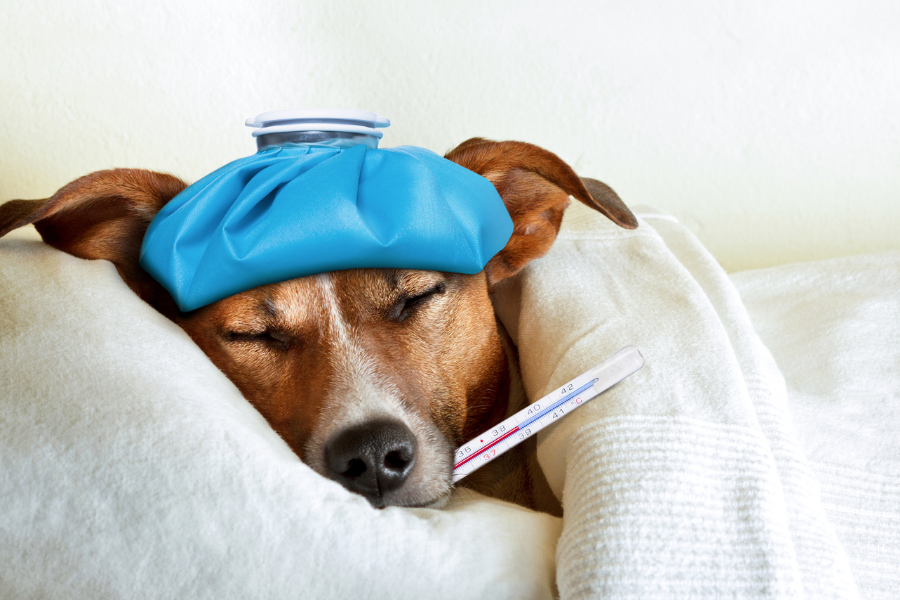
[103, 215]
[535, 186]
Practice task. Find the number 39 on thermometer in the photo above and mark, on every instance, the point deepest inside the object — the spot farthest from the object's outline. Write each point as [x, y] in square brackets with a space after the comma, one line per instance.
[527, 422]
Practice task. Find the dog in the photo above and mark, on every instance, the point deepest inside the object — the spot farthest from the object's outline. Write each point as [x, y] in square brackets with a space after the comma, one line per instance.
[371, 376]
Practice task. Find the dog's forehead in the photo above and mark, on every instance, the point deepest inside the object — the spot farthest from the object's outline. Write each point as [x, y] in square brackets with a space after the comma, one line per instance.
[356, 287]
[354, 294]
[352, 290]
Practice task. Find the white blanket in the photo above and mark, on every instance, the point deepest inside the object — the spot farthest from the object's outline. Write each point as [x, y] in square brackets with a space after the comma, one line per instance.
[687, 479]
[834, 328]
[130, 467]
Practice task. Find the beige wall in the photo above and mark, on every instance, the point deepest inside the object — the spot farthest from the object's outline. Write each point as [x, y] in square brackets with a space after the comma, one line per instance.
[770, 128]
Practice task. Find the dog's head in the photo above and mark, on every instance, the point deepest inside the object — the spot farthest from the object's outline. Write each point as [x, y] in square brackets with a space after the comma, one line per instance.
[372, 376]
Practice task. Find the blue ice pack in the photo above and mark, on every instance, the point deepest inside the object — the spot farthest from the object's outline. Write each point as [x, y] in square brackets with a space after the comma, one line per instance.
[320, 196]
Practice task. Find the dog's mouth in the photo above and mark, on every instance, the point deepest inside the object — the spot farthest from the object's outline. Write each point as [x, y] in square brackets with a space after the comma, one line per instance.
[439, 502]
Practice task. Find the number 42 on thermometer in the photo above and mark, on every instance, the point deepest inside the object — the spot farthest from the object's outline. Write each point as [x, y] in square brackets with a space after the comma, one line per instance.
[558, 403]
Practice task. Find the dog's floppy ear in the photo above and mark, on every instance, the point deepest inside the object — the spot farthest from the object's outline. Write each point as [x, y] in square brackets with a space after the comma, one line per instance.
[102, 215]
[535, 185]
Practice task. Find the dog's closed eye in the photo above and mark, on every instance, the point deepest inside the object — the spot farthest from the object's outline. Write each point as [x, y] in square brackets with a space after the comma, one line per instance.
[277, 340]
[407, 305]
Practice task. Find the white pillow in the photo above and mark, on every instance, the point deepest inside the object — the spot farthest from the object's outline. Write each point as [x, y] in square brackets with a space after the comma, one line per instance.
[131, 467]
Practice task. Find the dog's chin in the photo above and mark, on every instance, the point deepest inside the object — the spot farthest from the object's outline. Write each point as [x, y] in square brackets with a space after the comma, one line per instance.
[435, 494]
[440, 502]
[437, 502]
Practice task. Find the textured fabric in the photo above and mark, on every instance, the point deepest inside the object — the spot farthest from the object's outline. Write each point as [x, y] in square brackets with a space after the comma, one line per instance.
[130, 467]
[291, 211]
[834, 329]
[685, 480]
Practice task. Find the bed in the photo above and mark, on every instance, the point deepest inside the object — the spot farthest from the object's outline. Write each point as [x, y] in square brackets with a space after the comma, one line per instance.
[756, 454]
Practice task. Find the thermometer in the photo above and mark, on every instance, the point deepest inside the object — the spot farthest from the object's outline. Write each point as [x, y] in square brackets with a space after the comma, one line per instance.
[516, 429]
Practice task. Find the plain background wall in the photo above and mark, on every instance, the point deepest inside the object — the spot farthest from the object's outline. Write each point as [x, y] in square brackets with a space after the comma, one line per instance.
[771, 128]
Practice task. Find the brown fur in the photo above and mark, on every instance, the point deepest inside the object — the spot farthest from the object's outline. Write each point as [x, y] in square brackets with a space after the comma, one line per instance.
[428, 340]
[535, 185]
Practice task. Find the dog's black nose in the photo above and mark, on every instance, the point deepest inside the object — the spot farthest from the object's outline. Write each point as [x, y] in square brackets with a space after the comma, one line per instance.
[372, 459]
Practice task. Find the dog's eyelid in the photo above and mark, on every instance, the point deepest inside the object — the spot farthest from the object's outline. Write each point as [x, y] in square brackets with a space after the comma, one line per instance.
[434, 290]
[237, 332]
[279, 335]
[407, 304]
[266, 336]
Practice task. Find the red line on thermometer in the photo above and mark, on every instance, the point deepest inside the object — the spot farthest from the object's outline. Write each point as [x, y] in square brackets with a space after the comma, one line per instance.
[485, 448]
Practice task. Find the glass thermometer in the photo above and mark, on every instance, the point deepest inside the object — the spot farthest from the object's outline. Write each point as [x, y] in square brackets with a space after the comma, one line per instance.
[531, 419]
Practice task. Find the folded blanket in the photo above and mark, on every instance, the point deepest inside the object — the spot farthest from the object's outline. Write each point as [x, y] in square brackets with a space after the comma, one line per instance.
[685, 480]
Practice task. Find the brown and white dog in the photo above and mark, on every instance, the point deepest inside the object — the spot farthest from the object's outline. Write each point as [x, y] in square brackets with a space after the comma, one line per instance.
[372, 376]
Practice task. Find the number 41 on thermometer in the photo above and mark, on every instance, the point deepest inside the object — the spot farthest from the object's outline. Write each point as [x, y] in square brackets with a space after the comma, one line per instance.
[527, 422]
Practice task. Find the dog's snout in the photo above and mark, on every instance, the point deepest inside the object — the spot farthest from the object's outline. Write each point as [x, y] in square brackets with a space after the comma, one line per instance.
[372, 459]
